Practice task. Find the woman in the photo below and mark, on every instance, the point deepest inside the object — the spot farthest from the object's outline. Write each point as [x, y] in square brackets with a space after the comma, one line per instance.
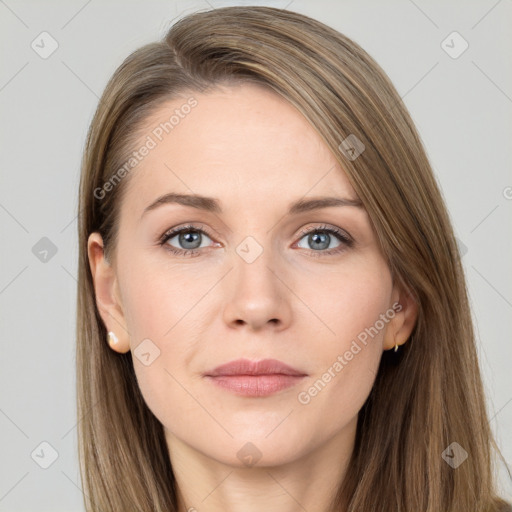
[272, 311]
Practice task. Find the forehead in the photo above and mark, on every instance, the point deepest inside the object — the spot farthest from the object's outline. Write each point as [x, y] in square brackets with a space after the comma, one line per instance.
[242, 143]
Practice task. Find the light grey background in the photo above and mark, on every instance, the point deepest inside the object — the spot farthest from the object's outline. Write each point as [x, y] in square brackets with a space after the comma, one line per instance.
[461, 106]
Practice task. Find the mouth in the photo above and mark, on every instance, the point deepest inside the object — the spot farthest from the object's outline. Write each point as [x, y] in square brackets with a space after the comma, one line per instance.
[255, 378]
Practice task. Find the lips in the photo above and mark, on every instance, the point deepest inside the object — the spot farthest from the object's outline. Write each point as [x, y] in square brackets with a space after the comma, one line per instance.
[247, 367]
[255, 378]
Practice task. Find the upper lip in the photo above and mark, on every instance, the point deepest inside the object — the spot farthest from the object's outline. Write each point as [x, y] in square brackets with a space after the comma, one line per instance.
[247, 367]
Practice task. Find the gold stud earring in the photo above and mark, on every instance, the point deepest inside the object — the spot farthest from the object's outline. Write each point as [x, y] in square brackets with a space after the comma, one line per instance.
[112, 339]
[396, 347]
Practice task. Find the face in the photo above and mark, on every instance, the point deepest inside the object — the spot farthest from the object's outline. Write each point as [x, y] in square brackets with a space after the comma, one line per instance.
[248, 280]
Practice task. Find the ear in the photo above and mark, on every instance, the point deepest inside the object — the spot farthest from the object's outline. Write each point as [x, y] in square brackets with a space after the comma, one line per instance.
[107, 295]
[406, 313]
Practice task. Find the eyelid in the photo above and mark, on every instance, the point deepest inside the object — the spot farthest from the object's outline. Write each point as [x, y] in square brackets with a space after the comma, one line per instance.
[327, 227]
[170, 233]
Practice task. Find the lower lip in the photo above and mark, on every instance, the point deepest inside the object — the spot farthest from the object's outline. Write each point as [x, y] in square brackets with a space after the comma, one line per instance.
[256, 385]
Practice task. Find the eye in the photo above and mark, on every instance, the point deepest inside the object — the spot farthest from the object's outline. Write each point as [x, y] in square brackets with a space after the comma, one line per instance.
[320, 238]
[189, 237]
[189, 240]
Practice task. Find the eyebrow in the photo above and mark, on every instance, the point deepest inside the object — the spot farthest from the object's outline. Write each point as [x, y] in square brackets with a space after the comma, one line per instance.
[211, 204]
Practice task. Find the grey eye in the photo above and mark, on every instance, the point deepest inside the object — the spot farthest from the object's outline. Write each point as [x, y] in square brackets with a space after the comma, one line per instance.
[319, 240]
[189, 239]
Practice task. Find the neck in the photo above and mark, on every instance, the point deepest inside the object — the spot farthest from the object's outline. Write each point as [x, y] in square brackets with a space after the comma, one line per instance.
[307, 483]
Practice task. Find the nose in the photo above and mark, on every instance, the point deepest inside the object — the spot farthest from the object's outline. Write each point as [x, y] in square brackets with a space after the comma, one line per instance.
[257, 296]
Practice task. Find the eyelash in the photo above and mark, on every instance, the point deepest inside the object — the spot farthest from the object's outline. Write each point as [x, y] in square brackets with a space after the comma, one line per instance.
[340, 235]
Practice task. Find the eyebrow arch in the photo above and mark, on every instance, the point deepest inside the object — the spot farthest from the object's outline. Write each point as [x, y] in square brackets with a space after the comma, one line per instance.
[211, 204]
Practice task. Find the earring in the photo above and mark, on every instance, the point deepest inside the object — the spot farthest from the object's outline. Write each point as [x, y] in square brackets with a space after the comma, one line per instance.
[112, 338]
[396, 346]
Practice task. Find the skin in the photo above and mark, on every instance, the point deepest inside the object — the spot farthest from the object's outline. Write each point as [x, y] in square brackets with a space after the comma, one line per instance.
[255, 153]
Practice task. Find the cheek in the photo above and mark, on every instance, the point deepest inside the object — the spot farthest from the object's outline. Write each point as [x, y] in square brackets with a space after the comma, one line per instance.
[158, 306]
[153, 299]
[348, 303]
[355, 314]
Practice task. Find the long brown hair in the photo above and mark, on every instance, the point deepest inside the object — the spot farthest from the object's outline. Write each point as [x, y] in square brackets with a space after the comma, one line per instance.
[427, 397]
